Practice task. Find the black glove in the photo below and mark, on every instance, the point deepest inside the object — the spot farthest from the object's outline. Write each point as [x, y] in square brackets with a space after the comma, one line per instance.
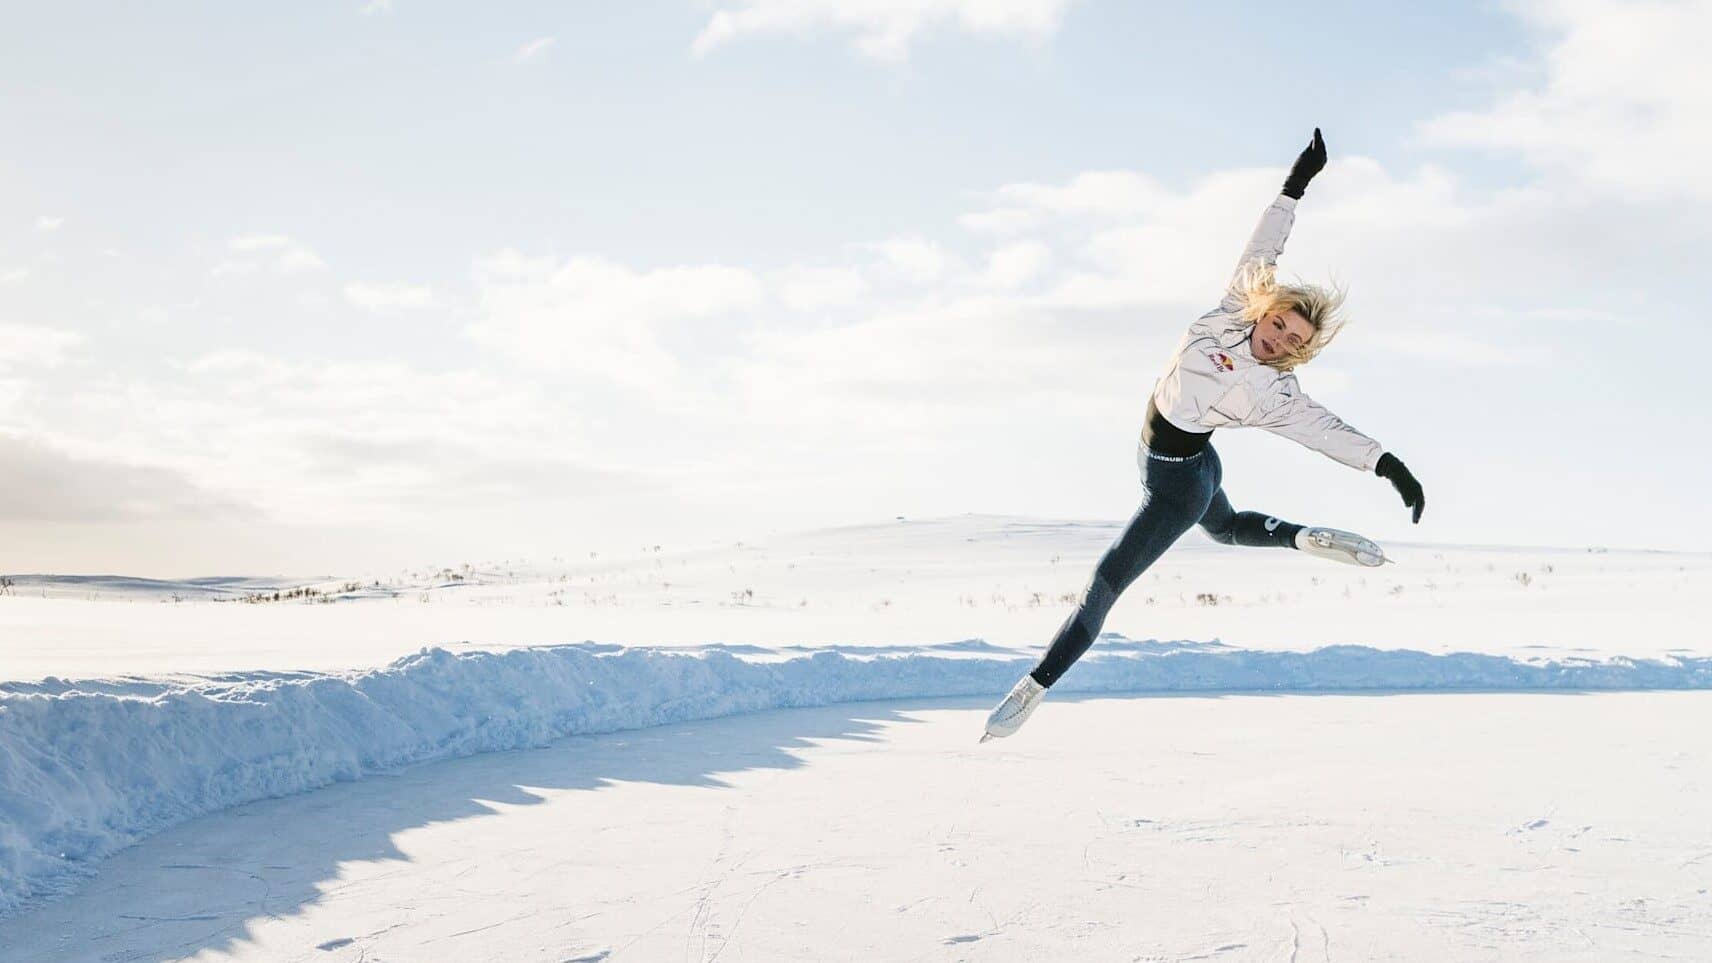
[1312, 161]
[1395, 472]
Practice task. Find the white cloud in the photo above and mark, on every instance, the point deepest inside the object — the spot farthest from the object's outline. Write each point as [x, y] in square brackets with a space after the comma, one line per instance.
[258, 242]
[227, 360]
[376, 6]
[277, 251]
[1456, 349]
[603, 319]
[533, 50]
[915, 258]
[912, 348]
[30, 344]
[1420, 252]
[48, 223]
[1000, 220]
[14, 275]
[1105, 194]
[1178, 249]
[298, 259]
[383, 295]
[1090, 196]
[883, 29]
[1623, 102]
[813, 288]
[1016, 264]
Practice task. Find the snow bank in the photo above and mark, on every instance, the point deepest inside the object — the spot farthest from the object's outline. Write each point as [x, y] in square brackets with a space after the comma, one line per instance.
[87, 767]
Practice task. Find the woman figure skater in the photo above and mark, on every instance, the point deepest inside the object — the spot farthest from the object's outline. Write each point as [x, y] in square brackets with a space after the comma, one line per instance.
[1232, 369]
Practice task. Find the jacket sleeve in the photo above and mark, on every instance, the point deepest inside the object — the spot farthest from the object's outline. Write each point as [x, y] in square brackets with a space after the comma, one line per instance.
[1264, 245]
[1291, 413]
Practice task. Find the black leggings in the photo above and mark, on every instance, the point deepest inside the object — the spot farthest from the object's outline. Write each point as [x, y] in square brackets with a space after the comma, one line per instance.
[1177, 493]
[1228, 526]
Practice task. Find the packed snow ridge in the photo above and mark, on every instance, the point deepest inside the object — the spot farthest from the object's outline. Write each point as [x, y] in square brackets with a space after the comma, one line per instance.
[87, 767]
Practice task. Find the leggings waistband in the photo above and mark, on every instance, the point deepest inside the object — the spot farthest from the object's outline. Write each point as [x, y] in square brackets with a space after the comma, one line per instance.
[1156, 456]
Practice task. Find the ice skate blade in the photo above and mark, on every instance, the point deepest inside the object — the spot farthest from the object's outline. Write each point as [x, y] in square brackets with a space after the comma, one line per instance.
[985, 736]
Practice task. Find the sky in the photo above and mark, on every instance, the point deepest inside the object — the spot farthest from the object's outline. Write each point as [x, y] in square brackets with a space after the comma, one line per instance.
[336, 287]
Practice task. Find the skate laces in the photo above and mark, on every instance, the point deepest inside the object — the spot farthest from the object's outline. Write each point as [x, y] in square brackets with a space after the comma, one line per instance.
[1014, 703]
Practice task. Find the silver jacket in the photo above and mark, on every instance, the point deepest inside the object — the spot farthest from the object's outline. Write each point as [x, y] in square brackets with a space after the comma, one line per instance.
[1214, 381]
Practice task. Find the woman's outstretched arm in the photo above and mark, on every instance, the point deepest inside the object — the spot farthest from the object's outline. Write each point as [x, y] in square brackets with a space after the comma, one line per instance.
[1291, 413]
[1294, 415]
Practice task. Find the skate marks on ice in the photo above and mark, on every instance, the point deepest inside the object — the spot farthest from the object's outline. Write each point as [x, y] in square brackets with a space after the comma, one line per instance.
[1223, 828]
[1466, 838]
[265, 874]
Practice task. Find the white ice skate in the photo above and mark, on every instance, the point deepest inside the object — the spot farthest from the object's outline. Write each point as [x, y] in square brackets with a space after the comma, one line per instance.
[1008, 716]
[1340, 546]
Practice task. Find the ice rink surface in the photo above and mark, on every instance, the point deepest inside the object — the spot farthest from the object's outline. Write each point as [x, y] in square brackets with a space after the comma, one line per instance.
[1496, 826]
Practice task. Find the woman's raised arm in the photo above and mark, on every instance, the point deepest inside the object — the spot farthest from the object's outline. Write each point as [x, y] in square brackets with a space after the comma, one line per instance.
[1267, 242]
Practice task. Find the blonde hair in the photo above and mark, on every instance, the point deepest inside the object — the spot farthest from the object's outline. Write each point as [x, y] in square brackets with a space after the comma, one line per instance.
[1263, 295]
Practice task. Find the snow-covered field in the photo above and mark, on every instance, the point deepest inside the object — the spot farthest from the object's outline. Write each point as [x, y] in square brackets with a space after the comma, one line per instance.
[1004, 580]
[806, 823]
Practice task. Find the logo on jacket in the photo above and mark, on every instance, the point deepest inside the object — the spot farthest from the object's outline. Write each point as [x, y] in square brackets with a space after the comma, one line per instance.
[1221, 361]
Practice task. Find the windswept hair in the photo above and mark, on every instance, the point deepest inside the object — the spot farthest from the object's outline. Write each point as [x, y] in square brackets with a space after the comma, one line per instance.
[1262, 295]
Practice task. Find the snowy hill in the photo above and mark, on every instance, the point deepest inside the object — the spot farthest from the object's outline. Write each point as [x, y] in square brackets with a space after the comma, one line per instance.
[1005, 580]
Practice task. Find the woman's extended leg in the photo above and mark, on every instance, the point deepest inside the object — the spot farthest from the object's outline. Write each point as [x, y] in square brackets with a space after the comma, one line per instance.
[1175, 493]
[1232, 527]
[1174, 497]
[1252, 528]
